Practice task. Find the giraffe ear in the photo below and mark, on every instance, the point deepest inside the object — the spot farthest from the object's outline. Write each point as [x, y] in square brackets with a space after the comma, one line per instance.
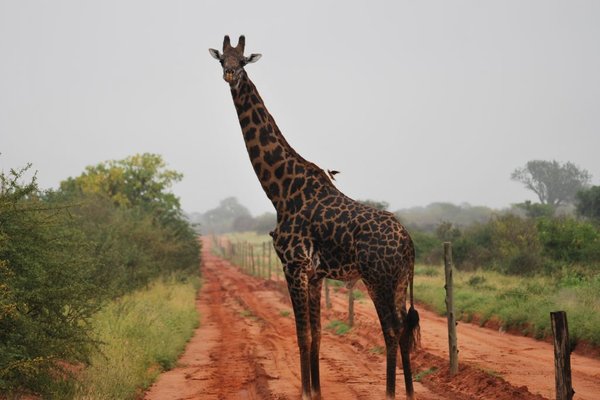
[215, 54]
[253, 58]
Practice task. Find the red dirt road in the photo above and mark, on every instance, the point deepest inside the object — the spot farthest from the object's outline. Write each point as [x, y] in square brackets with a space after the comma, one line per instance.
[245, 348]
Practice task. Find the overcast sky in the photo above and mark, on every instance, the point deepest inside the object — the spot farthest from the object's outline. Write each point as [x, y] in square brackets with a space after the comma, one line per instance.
[414, 102]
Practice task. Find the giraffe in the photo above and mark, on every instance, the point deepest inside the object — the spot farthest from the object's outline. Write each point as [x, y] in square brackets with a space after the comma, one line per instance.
[322, 233]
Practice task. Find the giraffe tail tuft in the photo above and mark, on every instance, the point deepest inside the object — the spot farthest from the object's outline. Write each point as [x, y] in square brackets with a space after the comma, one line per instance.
[413, 329]
[412, 322]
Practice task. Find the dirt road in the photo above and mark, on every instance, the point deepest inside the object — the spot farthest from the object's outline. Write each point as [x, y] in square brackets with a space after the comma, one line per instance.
[245, 348]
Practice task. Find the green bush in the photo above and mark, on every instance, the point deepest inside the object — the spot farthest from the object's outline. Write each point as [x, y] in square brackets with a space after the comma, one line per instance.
[426, 247]
[569, 240]
[46, 290]
[65, 253]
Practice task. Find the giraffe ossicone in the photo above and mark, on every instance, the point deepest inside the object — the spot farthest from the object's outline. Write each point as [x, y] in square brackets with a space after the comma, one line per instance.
[322, 233]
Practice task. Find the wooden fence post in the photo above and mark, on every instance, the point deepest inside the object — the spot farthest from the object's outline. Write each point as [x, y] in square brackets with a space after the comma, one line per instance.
[269, 258]
[327, 298]
[252, 265]
[351, 306]
[452, 342]
[562, 356]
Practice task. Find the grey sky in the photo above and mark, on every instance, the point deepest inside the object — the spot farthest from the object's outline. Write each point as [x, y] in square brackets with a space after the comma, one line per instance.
[414, 102]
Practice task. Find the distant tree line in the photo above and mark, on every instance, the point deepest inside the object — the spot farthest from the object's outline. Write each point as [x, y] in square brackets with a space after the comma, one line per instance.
[561, 231]
[63, 253]
[231, 216]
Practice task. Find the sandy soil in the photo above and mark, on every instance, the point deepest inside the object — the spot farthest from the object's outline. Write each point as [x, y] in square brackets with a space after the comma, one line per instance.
[245, 348]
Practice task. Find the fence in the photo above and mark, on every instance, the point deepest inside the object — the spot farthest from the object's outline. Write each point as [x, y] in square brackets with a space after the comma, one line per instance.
[256, 259]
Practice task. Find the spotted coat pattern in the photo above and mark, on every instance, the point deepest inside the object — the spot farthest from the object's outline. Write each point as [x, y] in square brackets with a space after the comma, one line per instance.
[322, 233]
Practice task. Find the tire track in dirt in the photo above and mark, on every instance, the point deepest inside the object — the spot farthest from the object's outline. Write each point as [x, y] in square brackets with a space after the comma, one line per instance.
[245, 348]
[521, 361]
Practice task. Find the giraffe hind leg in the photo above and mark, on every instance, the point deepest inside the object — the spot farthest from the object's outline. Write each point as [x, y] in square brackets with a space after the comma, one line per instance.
[298, 289]
[390, 325]
[315, 329]
[406, 338]
[409, 338]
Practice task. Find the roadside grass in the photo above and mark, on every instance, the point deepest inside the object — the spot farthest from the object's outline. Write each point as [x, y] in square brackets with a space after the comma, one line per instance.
[515, 302]
[358, 294]
[250, 237]
[422, 374]
[338, 327]
[141, 335]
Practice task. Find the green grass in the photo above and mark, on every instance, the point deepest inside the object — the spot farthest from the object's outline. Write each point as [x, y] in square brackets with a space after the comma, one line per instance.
[338, 327]
[522, 303]
[358, 294]
[250, 237]
[247, 314]
[142, 334]
[284, 313]
[422, 374]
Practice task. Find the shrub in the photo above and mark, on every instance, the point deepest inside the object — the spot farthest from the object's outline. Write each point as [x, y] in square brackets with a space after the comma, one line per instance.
[569, 240]
[63, 254]
[46, 290]
[427, 247]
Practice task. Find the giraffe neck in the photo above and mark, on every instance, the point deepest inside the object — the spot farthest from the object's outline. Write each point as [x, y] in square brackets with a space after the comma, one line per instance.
[287, 179]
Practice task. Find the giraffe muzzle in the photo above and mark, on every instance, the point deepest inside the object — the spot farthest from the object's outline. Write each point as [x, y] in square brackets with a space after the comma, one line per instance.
[229, 75]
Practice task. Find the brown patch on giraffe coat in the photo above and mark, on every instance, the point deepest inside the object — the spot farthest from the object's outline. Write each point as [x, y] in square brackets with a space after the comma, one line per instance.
[322, 233]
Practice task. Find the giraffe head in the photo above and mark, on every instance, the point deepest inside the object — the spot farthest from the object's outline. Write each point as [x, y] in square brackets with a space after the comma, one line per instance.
[233, 59]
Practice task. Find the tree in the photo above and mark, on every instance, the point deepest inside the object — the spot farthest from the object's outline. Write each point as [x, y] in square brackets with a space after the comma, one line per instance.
[265, 223]
[555, 184]
[588, 203]
[221, 219]
[379, 205]
[535, 210]
[46, 291]
[140, 180]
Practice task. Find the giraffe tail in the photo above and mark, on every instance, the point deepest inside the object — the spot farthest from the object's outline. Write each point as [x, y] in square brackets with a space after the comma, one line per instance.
[411, 322]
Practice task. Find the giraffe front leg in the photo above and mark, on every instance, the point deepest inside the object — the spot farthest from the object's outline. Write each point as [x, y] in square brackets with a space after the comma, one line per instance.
[315, 330]
[297, 281]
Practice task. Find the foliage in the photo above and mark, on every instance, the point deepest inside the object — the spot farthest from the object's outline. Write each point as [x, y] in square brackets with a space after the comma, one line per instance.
[552, 182]
[379, 205]
[535, 210]
[265, 223]
[506, 243]
[428, 218]
[427, 247]
[231, 216]
[139, 180]
[135, 225]
[221, 219]
[142, 334]
[516, 303]
[46, 291]
[338, 327]
[515, 245]
[588, 203]
[422, 374]
[64, 253]
[569, 240]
